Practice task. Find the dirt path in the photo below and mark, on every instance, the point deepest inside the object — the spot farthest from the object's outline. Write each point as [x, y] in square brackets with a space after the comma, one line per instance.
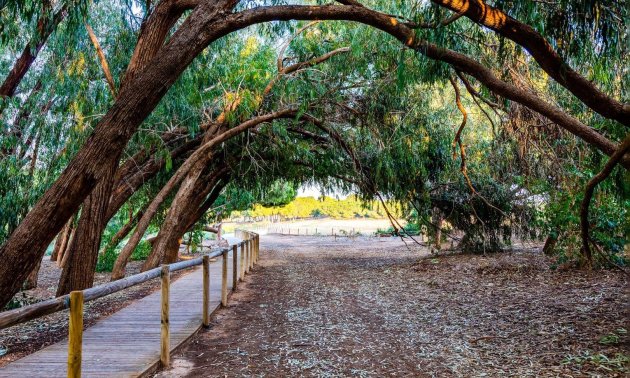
[368, 308]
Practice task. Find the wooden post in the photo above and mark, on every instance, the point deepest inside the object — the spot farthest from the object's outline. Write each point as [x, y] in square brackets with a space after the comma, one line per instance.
[250, 243]
[247, 256]
[234, 267]
[256, 249]
[224, 279]
[242, 265]
[206, 292]
[75, 334]
[251, 252]
[165, 337]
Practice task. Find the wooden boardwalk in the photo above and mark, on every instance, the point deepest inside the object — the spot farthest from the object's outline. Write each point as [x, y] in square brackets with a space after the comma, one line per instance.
[127, 343]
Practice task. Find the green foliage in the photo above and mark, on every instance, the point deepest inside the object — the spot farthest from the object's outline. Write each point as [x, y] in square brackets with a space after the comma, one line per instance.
[106, 260]
[142, 251]
[618, 362]
[279, 193]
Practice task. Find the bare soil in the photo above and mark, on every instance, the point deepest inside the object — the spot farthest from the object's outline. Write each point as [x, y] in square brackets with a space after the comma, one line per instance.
[26, 338]
[319, 307]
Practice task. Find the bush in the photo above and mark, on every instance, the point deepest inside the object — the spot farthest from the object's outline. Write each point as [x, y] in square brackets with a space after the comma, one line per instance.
[142, 251]
[106, 260]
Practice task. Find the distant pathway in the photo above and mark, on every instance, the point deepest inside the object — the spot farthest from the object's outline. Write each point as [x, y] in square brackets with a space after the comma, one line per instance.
[127, 343]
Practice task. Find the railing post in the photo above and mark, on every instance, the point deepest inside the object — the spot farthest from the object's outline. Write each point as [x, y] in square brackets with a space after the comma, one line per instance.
[75, 334]
[256, 239]
[165, 337]
[248, 257]
[242, 265]
[251, 247]
[206, 292]
[234, 267]
[224, 279]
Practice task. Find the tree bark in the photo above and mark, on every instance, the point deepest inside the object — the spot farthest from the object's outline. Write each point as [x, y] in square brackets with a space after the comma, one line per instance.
[152, 35]
[62, 259]
[167, 243]
[31, 280]
[439, 222]
[78, 272]
[62, 241]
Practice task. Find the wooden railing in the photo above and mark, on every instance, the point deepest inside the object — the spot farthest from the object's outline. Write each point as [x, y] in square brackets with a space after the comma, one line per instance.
[75, 300]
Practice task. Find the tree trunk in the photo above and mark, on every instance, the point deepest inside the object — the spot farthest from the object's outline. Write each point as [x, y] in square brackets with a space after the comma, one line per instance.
[62, 259]
[65, 242]
[21, 66]
[31, 280]
[78, 272]
[167, 242]
[62, 241]
[550, 244]
[439, 222]
[184, 218]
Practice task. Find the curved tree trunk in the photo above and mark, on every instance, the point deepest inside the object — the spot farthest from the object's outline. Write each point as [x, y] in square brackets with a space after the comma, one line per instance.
[181, 216]
[78, 271]
[544, 54]
[63, 248]
[167, 243]
[61, 242]
[195, 162]
[45, 26]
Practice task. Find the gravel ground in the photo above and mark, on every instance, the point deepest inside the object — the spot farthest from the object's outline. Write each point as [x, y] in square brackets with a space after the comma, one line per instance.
[371, 307]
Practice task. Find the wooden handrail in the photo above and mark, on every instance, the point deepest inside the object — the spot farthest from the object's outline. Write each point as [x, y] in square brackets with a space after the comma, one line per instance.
[47, 307]
[76, 299]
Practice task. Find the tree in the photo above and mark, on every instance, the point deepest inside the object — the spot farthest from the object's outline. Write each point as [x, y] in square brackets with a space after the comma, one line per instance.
[160, 58]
